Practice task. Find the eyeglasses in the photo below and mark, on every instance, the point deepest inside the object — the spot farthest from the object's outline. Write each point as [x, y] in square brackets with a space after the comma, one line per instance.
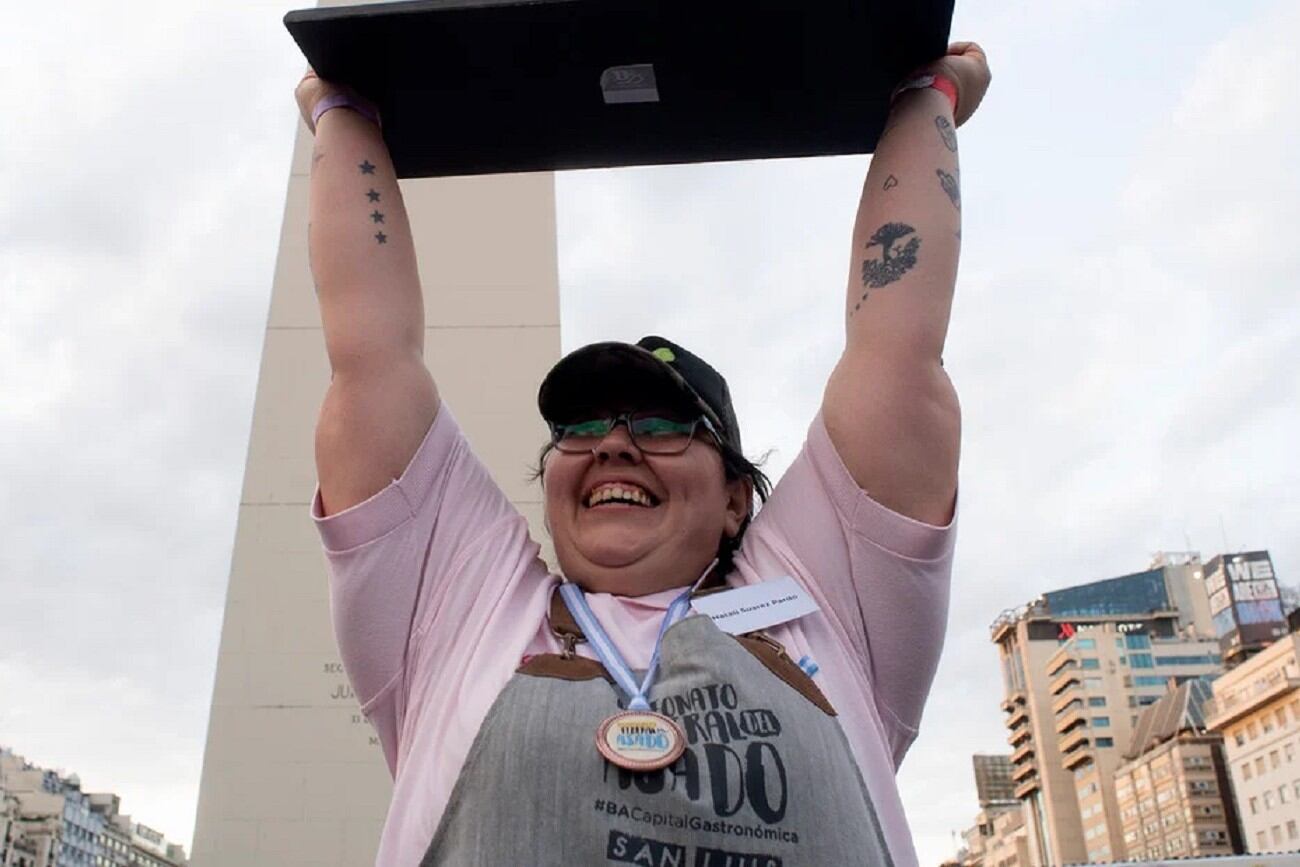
[651, 433]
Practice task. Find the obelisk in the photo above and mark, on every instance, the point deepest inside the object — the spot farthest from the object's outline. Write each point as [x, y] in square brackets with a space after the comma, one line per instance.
[292, 774]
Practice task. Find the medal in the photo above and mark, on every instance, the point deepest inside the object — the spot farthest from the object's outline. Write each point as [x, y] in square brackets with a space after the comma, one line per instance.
[636, 739]
[640, 740]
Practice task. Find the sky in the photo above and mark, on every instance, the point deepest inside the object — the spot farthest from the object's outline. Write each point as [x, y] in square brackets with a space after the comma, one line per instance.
[1125, 337]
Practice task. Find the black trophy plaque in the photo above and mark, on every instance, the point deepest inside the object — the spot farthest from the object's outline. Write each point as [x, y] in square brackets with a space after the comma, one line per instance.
[487, 86]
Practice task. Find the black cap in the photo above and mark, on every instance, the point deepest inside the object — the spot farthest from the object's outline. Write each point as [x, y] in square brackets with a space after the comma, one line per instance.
[651, 366]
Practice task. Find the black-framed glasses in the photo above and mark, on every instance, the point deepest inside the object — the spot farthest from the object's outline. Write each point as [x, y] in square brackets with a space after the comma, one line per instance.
[652, 433]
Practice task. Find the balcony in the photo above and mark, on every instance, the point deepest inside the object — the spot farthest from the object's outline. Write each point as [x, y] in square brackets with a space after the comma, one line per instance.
[1025, 751]
[1015, 697]
[1019, 735]
[1059, 660]
[1027, 788]
[1081, 755]
[1063, 681]
[1022, 771]
[1223, 710]
[1067, 721]
[1073, 739]
[1019, 714]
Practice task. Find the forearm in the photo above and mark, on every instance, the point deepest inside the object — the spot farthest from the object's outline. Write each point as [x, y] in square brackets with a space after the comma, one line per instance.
[907, 235]
[360, 247]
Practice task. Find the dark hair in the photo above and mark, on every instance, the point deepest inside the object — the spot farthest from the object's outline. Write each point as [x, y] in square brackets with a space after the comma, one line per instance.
[734, 466]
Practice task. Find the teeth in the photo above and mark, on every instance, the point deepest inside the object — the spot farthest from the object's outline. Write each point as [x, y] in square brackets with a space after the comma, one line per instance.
[618, 493]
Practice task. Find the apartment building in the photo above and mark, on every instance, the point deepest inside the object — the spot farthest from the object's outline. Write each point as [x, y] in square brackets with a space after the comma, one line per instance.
[1078, 666]
[1173, 792]
[1256, 707]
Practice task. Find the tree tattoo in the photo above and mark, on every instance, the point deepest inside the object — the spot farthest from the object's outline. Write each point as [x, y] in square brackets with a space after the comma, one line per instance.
[946, 132]
[894, 262]
[949, 184]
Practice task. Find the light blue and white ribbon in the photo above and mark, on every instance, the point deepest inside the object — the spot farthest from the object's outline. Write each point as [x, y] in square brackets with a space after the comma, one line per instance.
[604, 648]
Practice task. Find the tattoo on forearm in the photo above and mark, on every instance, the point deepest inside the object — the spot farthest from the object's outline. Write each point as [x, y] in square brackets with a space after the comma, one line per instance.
[890, 183]
[894, 261]
[373, 195]
[381, 237]
[367, 167]
[376, 216]
[946, 132]
[949, 184]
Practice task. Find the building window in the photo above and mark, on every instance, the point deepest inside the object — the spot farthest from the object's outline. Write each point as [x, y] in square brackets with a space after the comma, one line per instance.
[1277, 835]
[1239, 738]
[1105, 742]
[1089, 662]
[1268, 800]
[1262, 839]
[1254, 806]
[1291, 831]
[1252, 730]
[1245, 771]
[1259, 764]
[1085, 643]
[1142, 660]
[1273, 759]
[1149, 680]
[1100, 701]
[1288, 749]
[1137, 641]
[1280, 716]
[1281, 794]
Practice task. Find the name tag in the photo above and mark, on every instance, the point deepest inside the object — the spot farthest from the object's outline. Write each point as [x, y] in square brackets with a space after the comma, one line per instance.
[757, 606]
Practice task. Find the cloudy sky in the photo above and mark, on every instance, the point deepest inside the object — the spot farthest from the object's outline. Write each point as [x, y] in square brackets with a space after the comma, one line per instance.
[1125, 337]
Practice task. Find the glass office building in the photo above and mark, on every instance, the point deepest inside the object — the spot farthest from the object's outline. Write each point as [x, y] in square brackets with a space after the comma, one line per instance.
[1139, 593]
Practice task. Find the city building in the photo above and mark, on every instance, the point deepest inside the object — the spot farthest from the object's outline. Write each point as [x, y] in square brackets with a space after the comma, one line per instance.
[997, 836]
[1256, 707]
[993, 783]
[1078, 666]
[47, 821]
[1246, 604]
[1173, 792]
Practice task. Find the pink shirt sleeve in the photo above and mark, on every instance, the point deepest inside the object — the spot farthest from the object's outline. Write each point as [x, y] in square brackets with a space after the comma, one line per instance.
[388, 556]
[882, 578]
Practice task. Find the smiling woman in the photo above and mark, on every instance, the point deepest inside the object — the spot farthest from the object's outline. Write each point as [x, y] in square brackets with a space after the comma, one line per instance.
[590, 716]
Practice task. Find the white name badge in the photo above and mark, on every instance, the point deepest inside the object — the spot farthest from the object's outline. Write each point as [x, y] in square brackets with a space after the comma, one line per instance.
[757, 606]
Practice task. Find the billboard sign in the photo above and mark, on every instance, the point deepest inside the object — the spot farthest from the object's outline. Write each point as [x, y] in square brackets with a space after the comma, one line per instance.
[1244, 599]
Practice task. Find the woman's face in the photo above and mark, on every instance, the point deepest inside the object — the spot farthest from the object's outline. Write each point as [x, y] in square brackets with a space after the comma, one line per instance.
[667, 538]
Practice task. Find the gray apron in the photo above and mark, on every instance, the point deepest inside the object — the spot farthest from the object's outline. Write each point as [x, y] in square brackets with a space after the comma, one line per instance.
[767, 779]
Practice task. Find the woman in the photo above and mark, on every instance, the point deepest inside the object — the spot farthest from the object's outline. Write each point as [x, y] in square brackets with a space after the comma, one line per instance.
[611, 722]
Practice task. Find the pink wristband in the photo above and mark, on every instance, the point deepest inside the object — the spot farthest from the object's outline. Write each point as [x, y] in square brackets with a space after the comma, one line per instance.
[343, 100]
[941, 83]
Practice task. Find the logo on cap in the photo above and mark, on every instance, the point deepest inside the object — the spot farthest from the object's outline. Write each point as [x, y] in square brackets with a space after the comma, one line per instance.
[663, 353]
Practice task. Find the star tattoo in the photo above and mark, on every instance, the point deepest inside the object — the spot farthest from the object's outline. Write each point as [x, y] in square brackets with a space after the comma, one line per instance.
[377, 217]
[381, 237]
[373, 195]
[367, 168]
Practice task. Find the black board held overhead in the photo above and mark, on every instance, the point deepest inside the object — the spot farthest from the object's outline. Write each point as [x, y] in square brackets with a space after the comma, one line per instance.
[489, 86]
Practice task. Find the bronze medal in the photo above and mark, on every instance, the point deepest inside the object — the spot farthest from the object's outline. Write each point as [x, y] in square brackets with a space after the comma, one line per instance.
[640, 740]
